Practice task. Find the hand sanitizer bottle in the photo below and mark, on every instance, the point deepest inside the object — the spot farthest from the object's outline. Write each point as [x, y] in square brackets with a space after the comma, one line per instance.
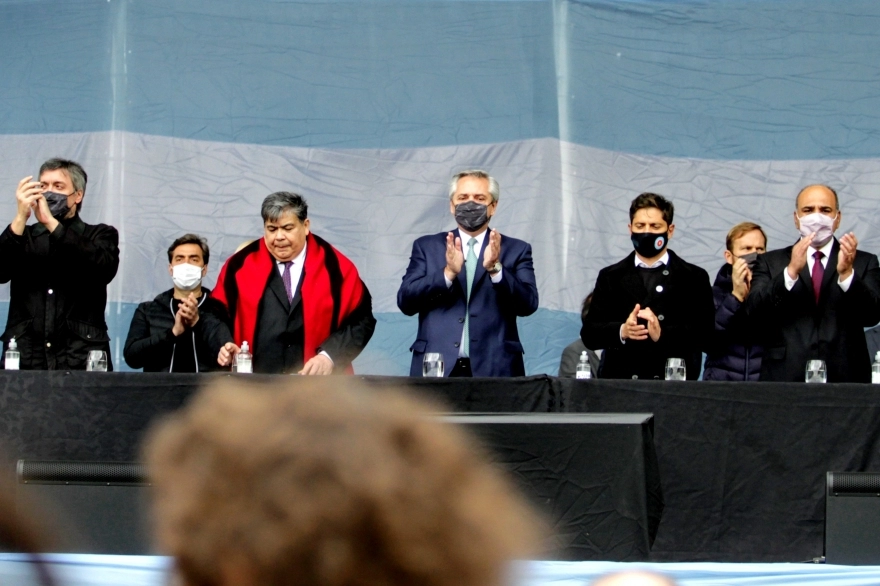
[13, 356]
[875, 369]
[244, 360]
[583, 367]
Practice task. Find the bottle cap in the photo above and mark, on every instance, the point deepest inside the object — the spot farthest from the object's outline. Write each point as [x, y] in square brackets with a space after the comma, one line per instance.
[13, 345]
[244, 346]
[584, 355]
[876, 356]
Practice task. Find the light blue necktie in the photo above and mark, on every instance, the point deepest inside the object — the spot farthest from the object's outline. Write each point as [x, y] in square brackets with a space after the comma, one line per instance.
[470, 266]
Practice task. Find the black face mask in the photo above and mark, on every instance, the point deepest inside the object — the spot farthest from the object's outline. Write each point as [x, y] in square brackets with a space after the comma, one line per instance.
[649, 244]
[471, 215]
[57, 204]
[751, 259]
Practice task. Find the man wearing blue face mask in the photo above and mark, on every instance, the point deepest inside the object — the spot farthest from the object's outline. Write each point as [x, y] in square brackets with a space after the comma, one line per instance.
[182, 329]
[652, 305]
[814, 298]
[468, 286]
[59, 268]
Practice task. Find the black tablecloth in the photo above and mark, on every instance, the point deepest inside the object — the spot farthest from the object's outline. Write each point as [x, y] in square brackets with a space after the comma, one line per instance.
[742, 464]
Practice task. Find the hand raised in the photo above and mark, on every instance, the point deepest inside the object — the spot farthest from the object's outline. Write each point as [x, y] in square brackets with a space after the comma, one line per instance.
[454, 257]
[493, 250]
[849, 244]
[799, 256]
[26, 195]
[189, 308]
[742, 279]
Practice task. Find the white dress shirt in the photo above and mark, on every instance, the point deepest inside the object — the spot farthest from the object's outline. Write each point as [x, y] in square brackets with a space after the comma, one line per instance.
[296, 271]
[826, 251]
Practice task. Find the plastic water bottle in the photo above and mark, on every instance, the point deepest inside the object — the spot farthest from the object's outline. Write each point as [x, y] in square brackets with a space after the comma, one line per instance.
[583, 367]
[244, 360]
[13, 356]
[875, 369]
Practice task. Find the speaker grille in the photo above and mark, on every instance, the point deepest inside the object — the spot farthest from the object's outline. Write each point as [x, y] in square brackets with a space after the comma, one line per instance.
[86, 472]
[853, 482]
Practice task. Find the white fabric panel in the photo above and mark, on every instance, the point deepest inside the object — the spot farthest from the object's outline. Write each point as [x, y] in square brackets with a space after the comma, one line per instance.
[371, 204]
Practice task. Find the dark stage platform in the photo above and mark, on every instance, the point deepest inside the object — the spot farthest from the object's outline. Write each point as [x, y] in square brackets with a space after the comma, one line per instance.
[742, 466]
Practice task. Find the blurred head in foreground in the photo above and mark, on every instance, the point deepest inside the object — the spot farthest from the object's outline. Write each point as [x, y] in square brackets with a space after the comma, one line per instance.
[325, 483]
[634, 578]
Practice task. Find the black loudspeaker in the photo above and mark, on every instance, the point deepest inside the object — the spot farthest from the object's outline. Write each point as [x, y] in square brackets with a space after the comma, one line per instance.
[852, 518]
[98, 507]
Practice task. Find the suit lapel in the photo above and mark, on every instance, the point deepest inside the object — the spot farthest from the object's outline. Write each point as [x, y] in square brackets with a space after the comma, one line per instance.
[830, 274]
[276, 285]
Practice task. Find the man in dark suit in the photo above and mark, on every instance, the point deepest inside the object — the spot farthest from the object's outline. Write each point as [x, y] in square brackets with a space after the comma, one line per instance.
[652, 305]
[297, 300]
[468, 287]
[814, 298]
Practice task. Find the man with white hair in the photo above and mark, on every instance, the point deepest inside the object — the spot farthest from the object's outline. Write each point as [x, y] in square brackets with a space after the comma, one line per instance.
[468, 286]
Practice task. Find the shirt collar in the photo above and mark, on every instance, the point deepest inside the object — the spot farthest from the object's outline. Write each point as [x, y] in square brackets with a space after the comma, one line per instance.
[825, 250]
[465, 238]
[664, 260]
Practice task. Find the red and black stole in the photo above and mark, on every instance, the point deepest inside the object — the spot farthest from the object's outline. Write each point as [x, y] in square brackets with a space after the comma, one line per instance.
[331, 290]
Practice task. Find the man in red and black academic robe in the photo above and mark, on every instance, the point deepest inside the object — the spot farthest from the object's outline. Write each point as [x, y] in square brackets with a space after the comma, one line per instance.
[298, 302]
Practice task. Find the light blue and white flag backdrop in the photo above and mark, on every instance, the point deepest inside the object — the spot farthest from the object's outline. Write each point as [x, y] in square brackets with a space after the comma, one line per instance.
[186, 113]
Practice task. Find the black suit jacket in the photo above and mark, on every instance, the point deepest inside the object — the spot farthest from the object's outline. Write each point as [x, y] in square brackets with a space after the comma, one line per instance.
[796, 329]
[280, 334]
[684, 307]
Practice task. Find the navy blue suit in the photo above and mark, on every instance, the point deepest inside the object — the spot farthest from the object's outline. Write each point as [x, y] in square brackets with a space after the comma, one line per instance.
[495, 349]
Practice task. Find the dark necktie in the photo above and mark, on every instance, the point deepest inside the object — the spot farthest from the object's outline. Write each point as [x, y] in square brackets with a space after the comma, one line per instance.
[818, 273]
[286, 278]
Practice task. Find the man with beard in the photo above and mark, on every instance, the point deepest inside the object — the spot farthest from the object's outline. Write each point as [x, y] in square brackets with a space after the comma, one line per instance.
[468, 287]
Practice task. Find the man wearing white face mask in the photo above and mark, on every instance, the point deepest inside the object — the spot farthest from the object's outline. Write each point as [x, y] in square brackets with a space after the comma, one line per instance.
[182, 329]
[815, 298]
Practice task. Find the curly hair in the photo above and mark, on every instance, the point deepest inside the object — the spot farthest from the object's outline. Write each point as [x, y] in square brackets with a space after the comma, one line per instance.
[326, 483]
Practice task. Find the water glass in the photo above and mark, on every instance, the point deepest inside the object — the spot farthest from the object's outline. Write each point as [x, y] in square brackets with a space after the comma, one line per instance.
[432, 365]
[97, 361]
[816, 372]
[675, 369]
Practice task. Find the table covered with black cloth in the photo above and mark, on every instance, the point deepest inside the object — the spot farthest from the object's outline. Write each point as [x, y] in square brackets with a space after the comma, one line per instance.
[742, 465]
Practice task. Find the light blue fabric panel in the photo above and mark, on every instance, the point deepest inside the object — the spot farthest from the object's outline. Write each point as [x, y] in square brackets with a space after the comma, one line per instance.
[106, 570]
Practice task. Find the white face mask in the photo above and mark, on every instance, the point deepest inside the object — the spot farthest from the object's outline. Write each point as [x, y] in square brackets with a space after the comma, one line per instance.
[186, 277]
[821, 224]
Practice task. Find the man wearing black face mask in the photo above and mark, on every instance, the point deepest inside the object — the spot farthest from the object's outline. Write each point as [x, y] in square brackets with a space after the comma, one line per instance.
[468, 287]
[734, 354]
[59, 268]
[652, 305]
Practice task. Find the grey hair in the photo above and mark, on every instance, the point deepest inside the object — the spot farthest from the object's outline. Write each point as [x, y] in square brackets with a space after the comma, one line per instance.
[280, 202]
[74, 170]
[494, 188]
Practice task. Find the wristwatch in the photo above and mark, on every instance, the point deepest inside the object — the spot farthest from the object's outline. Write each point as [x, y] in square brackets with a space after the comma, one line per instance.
[496, 268]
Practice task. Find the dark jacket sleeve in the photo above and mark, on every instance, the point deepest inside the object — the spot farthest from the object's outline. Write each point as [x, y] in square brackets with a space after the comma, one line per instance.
[12, 254]
[601, 327]
[423, 289]
[93, 255]
[517, 290]
[143, 348]
[695, 332]
[212, 329]
[347, 342]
